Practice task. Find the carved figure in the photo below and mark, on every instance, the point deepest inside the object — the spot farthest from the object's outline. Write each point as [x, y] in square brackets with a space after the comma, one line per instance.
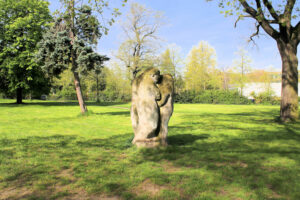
[166, 88]
[144, 108]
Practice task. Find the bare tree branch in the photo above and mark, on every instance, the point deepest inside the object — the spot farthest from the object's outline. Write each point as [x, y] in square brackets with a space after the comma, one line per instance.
[270, 21]
[258, 5]
[239, 18]
[260, 19]
[141, 29]
[289, 7]
[268, 4]
[256, 33]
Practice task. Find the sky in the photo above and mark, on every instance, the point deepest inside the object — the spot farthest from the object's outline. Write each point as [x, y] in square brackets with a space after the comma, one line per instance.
[191, 21]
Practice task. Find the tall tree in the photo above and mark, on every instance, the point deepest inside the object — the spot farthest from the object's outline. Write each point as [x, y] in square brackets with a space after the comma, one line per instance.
[242, 66]
[170, 60]
[166, 64]
[225, 77]
[22, 23]
[140, 27]
[71, 42]
[279, 20]
[200, 63]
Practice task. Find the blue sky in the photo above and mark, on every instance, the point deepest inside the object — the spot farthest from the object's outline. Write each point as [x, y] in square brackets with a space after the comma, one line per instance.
[190, 21]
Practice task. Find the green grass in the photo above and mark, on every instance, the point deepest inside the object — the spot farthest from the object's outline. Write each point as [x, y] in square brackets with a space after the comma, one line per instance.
[49, 151]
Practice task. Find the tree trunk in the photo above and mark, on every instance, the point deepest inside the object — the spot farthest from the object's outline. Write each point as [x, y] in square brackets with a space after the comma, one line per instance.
[289, 83]
[19, 95]
[82, 105]
[242, 87]
[97, 89]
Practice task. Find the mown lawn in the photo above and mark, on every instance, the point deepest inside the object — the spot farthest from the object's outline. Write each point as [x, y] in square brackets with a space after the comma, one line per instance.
[49, 151]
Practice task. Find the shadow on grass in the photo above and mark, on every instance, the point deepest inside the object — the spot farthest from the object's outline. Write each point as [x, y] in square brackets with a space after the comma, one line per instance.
[44, 158]
[126, 113]
[66, 103]
[258, 159]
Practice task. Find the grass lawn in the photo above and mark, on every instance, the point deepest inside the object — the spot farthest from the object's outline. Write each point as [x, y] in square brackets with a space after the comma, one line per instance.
[49, 151]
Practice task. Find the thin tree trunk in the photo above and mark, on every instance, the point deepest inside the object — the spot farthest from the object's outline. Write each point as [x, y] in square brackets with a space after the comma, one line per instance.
[97, 88]
[289, 89]
[242, 90]
[19, 95]
[82, 105]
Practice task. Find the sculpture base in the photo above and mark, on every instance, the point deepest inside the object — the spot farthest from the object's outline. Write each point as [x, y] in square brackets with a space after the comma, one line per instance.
[150, 142]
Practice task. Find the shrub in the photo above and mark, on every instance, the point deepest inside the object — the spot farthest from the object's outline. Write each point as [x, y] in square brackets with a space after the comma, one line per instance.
[185, 97]
[212, 96]
[266, 98]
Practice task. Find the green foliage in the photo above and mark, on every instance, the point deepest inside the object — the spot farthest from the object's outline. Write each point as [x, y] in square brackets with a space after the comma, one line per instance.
[118, 88]
[68, 92]
[212, 97]
[242, 66]
[234, 7]
[186, 96]
[266, 97]
[57, 46]
[167, 66]
[219, 152]
[112, 86]
[200, 68]
[88, 26]
[22, 23]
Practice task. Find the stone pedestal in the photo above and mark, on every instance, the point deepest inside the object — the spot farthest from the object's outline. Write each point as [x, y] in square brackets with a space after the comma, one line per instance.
[151, 142]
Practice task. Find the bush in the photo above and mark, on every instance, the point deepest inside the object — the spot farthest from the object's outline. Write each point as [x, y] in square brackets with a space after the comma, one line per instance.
[212, 97]
[68, 93]
[184, 97]
[113, 96]
[266, 98]
[2, 96]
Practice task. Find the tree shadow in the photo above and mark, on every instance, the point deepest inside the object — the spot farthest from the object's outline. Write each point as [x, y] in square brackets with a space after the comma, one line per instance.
[241, 160]
[185, 139]
[125, 113]
[62, 103]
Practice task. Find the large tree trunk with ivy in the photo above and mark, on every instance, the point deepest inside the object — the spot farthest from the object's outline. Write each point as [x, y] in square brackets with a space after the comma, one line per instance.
[289, 90]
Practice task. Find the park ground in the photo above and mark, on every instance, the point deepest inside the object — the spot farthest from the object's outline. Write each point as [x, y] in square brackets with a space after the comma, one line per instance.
[49, 151]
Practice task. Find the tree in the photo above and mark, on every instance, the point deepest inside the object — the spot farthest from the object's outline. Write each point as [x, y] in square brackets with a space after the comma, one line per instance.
[70, 43]
[63, 86]
[95, 82]
[166, 65]
[200, 66]
[276, 19]
[242, 66]
[22, 23]
[141, 28]
[170, 60]
[117, 86]
[225, 77]
[99, 86]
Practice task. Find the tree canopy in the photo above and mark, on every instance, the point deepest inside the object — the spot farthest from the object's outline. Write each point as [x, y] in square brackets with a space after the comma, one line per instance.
[200, 66]
[22, 23]
[70, 42]
[140, 28]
